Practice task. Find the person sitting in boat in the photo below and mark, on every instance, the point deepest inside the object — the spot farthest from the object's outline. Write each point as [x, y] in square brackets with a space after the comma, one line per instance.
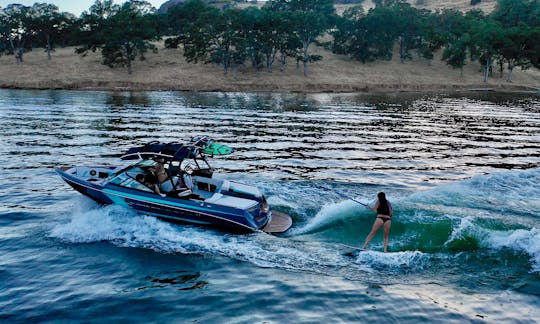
[140, 177]
[148, 180]
[156, 176]
[183, 183]
[160, 172]
[167, 183]
[186, 176]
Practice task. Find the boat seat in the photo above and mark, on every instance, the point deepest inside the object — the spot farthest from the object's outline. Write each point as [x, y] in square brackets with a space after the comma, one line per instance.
[229, 186]
[168, 185]
[231, 201]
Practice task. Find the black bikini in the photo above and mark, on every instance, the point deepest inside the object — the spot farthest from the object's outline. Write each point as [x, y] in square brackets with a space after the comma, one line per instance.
[385, 218]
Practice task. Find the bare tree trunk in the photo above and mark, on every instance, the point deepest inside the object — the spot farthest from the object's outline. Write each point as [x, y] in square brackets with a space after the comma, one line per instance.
[18, 50]
[270, 58]
[510, 70]
[225, 67]
[225, 58]
[268, 63]
[127, 53]
[48, 47]
[401, 50]
[487, 68]
[305, 57]
[19, 55]
[12, 45]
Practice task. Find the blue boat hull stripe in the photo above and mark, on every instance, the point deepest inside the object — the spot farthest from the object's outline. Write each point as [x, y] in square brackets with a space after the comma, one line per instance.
[112, 192]
[116, 193]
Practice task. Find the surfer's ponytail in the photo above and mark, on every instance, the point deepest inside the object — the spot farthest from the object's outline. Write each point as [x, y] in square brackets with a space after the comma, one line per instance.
[384, 206]
[382, 198]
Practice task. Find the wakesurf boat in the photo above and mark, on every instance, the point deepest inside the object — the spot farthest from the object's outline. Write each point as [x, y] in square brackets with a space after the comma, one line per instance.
[189, 192]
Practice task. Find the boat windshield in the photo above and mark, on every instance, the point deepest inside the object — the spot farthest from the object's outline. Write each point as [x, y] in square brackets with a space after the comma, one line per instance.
[128, 178]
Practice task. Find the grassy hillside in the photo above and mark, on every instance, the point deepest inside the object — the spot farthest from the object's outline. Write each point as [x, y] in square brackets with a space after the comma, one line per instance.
[433, 5]
[463, 5]
[167, 70]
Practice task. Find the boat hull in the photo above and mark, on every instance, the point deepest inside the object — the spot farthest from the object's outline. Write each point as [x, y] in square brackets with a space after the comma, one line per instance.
[87, 188]
[170, 209]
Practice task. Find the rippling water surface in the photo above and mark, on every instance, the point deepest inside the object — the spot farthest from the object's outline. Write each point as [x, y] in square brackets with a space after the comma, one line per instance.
[462, 173]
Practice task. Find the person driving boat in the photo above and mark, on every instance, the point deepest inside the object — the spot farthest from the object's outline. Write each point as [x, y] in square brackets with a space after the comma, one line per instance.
[168, 183]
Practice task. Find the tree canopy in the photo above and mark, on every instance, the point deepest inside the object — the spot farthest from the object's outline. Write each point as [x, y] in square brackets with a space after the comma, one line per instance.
[280, 30]
[122, 32]
[24, 27]
[508, 35]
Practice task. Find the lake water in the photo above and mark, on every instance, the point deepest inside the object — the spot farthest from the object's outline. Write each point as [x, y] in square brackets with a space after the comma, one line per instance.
[462, 172]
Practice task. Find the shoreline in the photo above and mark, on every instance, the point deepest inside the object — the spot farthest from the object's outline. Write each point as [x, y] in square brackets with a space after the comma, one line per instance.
[306, 88]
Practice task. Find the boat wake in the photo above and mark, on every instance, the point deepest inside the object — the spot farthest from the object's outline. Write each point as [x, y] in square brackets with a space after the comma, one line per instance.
[431, 229]
[327, 217]
[125, 228]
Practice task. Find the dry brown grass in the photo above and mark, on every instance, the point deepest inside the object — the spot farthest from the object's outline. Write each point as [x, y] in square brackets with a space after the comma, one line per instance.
[462, 5]
[168, 70]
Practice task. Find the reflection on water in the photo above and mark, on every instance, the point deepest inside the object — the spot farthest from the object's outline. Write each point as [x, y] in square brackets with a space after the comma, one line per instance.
[179, 279]
[122, 99]
[473, 242]
[347, 138]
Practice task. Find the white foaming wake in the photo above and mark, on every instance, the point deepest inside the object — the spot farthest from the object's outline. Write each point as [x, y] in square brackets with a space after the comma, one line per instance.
[125, 228]
[520, 240]
[508, 192]
[411, 260]
[328, 214]
[118, 225]
[466, 227]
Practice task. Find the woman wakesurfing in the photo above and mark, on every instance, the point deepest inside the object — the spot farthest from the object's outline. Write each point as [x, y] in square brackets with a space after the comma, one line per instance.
[384, 218]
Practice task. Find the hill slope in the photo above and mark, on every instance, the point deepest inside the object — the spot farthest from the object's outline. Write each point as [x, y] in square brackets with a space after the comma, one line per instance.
[433, 5]
[168, 70]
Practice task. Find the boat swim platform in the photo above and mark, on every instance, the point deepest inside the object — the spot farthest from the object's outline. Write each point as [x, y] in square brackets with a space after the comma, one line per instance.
[279, 223]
